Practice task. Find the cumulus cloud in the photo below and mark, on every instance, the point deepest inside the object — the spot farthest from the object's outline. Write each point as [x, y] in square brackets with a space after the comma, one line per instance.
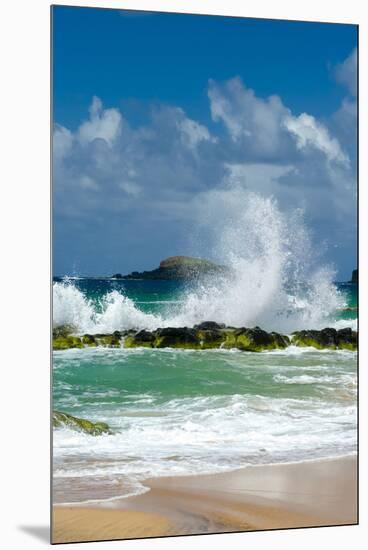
[103, 123]
[251, 120]
[308, 132]
[62, 142]
[344, 121]
[193, 133]
[124, 188]
[346, 72]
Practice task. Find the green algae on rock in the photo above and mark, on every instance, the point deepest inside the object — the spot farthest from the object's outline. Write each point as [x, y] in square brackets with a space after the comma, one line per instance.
[87, 340]
[60, 419]
[328, 338]
[67, 342]
[255, 339]
[211, 335]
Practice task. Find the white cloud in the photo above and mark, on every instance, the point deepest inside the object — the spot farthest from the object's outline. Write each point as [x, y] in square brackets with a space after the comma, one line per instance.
[103, 123]
[62, 142]
[193, 133]
[346, 72]
[248, 118]
[308, 132]
[154, 179]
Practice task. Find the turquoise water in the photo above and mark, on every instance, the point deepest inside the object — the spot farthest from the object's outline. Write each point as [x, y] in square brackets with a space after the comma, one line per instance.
[183, 412]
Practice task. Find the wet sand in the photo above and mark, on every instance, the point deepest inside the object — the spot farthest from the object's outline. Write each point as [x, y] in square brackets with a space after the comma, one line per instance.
[76, 524]
[258, 497]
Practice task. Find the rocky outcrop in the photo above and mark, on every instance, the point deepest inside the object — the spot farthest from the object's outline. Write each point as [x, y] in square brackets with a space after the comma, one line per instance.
[328, 338]
[178, 267]
[210, 335]
[60, 419]
[64, 339]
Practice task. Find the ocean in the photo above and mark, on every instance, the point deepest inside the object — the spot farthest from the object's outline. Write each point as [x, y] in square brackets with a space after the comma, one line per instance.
[179, 412]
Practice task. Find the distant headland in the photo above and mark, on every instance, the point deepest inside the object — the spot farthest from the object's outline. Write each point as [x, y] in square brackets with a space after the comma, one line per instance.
[178, 267]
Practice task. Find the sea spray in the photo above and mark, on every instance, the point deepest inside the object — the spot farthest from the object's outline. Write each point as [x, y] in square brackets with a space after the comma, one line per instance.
[274, 280]
[114, 311]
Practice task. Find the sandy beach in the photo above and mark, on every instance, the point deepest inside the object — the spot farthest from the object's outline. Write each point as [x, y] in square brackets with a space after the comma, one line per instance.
[304, 494]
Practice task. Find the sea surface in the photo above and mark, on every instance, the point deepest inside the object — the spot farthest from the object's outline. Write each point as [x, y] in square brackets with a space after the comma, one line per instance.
[178, 412]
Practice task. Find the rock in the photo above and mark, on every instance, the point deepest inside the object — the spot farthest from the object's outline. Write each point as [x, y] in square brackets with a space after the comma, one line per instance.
[328, 338]
[318, 339]
[66, 342]
[255, 339]
[142, 339]
[211, 339]
[63, 330]
[347, 339]
[281, 341]
[209, 325]
[89, 340]
[176, 338]
[60, 419]
[202, 337]
[109, 340]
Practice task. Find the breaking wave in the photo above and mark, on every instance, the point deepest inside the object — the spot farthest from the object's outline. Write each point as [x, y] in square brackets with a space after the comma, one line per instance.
[274, 280]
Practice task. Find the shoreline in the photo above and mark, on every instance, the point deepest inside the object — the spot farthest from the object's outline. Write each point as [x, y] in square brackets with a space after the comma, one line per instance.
[297, 494]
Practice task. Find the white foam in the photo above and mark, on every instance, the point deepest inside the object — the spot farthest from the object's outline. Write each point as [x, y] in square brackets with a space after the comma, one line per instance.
[274, 283]
[209, 434]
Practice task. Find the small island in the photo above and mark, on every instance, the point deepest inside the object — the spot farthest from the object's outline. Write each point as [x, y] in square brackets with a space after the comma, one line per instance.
[178, 268]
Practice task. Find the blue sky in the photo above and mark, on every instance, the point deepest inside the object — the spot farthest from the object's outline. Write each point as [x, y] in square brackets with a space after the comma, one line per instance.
[152, 111]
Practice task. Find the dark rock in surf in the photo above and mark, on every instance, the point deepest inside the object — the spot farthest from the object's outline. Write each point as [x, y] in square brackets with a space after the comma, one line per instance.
[177, 338]
[347, 339]
[89, 340]
[60, 342]
[63, 330]
[255, 339]
[328, 338]
[202, 337]
[140, 339]
[209, 325]
[211, 339]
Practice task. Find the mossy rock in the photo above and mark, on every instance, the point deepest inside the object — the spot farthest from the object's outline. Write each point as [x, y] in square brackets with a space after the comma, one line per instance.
[281, 341]
[141, 339]
[109, 340]
[211, 339]
[183, 338]
[319, 339]
[60, 419]
[209, 325]
[63, 330]
[66, 342]
[89, 340]
[255, 339]
[327, 338]
[230, 339]
[347, 339]
[210, 335]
